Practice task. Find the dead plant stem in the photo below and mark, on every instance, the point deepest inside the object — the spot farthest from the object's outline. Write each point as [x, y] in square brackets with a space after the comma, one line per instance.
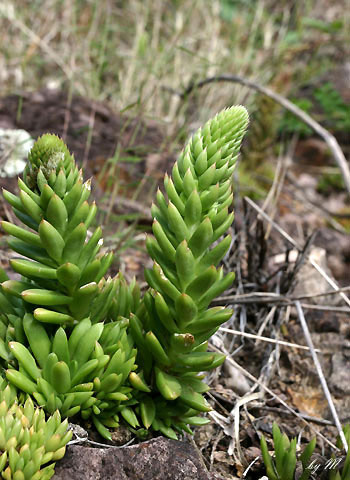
[320, 374]
[329, 139]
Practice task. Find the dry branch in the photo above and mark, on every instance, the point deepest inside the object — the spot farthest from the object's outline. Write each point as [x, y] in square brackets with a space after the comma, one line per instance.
[320, 374]
[274, 395]
[329, 139]
[284, 234]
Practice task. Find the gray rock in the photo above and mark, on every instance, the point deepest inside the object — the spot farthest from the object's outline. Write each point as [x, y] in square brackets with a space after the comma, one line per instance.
[157, 459]
[14, 148]
[339, 380]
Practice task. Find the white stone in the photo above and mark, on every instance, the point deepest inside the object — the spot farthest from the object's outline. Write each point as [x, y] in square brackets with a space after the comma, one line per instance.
[14, 148]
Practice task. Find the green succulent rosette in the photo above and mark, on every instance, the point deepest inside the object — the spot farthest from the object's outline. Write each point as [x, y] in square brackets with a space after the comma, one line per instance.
[83, 370]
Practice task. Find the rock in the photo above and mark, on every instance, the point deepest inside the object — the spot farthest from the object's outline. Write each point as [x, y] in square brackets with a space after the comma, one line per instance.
[235, 380]
[323, 322]
[311, 282]
[157, 459]
[339, 380]
[332, 241]
[14, 148]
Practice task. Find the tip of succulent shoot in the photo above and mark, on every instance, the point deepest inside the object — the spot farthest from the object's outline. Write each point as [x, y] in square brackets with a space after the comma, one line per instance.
[49, 153]
[48, 148]
[238, 111]
[235, 117]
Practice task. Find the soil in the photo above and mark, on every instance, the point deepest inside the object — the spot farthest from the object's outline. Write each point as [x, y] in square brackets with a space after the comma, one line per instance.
[105, 143]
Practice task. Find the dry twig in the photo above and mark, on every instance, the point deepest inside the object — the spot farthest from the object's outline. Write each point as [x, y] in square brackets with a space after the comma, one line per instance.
[329, 280]
[329, 139]
[266, 339]
[8, 11]
[320, 374]
[274, 395]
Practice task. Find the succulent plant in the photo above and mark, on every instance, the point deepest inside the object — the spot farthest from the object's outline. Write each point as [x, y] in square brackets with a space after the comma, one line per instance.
[62, 292]
[62, 269]
[84, 344]
[283, 465]
[172, 331]
[27, 440]
[75, 375]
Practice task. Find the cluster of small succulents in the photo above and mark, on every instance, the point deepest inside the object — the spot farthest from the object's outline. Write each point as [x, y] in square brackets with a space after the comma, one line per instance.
[27, 440]
[83, 344]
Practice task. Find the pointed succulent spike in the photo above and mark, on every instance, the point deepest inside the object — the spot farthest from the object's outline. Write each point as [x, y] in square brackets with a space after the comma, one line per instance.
[185, 276]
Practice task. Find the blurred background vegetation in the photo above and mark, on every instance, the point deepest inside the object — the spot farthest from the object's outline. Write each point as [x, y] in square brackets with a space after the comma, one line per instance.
[139, 55]
[129, 52]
